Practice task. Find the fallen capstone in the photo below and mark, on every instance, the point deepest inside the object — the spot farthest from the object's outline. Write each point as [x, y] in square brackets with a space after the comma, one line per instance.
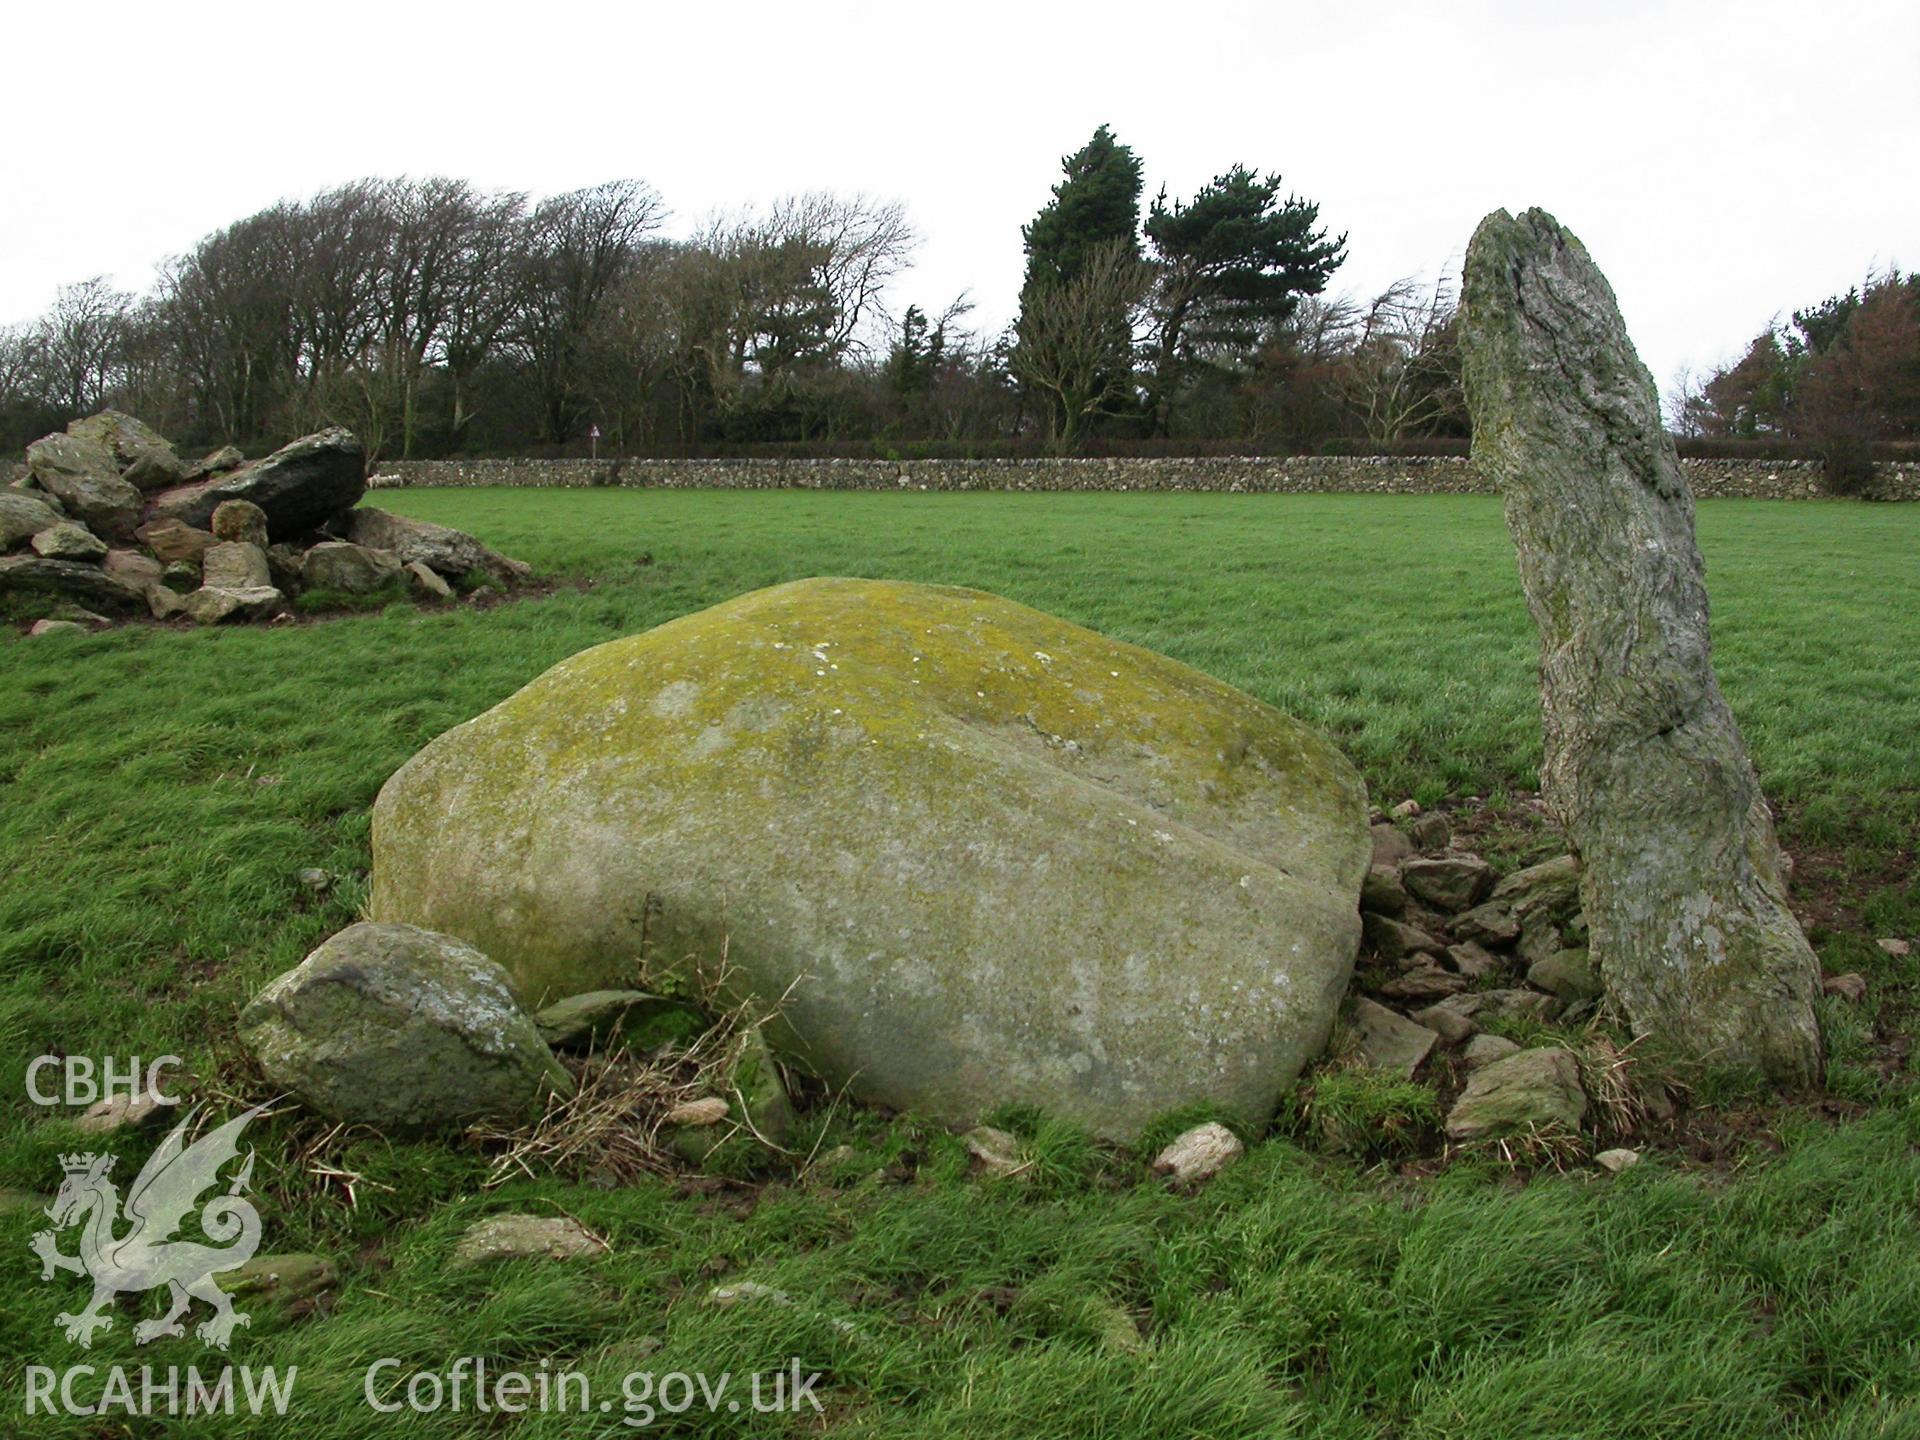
[975, 855]
[403, 1030]
[298, 487]
[1644, 767]
[447, 552]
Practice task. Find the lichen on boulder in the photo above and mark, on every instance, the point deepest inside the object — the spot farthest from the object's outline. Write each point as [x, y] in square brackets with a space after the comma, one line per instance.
[972, 854]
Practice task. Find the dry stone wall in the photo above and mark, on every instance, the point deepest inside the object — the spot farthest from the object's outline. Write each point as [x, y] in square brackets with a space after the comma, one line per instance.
[1298, 474]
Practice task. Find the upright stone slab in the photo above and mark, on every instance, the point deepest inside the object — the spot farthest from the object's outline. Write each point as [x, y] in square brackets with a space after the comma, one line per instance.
[1644, 765]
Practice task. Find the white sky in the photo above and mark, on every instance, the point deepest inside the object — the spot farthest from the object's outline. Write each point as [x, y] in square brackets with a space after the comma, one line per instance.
[1723, 161]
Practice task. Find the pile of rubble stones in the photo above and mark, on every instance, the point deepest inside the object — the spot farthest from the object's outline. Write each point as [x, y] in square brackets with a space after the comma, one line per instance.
[112, 524]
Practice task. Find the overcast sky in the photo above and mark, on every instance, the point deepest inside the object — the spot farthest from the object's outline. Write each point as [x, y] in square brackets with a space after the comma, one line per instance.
[1721, 161]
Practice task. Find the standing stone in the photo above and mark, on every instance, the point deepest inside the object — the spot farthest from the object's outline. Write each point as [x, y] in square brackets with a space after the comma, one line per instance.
[1644, 765]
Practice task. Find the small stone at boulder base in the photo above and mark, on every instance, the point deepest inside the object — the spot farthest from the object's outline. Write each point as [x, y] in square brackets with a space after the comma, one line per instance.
[279, 1278]
[123, 1112]
[80, 615]
[1551, 888]
[216, 604]
[318, 881]
[1448, 1023]
[1405, 810]
[527, 1237]
[1488, 924]
[1393, 940]
[1388, 1040]
[1199, 1154]
[1614, 1161]
[170, 540]
[599, 1018]
[1851, 987]
[401, 1029]
[1091, 879]
[87, 482]
[1425, 982]
[235, 565]
[1484, 1049]
[426, 582]
[165, 602]
[697, 1114]
[1568, 974]
[1539, 939]
[69, 540]
[1450, 883]
[1472, 959]
[1390, 845]
[140, 571]
[353, 569]
[763, 1108]
[57, 627]
[22, 517]
[994, 1152]
[73, 580]
[1432, 832]
[1534, 1092]
[299, 486]
[1382, 893]
[240, 520]
[1895, 947]
[1516, 1003]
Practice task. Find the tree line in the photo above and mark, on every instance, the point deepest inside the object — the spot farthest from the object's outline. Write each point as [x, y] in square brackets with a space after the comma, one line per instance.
[436, 318]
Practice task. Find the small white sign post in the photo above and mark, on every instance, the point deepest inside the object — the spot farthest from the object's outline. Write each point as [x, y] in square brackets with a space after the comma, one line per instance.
[593, 442]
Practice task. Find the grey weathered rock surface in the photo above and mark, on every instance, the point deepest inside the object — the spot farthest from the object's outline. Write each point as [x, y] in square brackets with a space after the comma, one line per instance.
[1199, 1154]
[235, 565]
[298, 486]
[1448, 882]
[170, 540]
[451, 553]
[527, 1237]
[1388, 1040]
[355, 569]
[133, 568]
[1644, 765]
[74, 580]
[600, 1018]
[1535, 1090]
[69, 540]
[1485, 1049]
[240, 520]
[401, 1029]
[1006, 859]
[1569, 974]
[56, 627]
[426, 582]
[22, 517]
[219, 604]
[83, 475]
[146, 460]
[219, 462]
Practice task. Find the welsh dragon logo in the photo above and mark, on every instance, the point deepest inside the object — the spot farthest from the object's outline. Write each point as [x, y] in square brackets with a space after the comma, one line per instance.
[147, 1255]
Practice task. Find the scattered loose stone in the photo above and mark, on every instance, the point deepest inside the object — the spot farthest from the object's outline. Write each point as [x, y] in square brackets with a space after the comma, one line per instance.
[122, 1112]
[1451, 883]
[1382, 893]
[1899, 949]
[1851, 986]
[527, 1237]
[994, 1152]
[1405, 810]
[1428, 982]
[1485, 1049]
[214, 604]
[1551, 888]
[1393, 940]
[1614, 1161]
[241, 521]
[165, 602]
[69, 540]
[698, 1114]
[598, 1018]
[1539, 939]
[56, 627]
[1449, 1023]
[426, 583]
[1516, 1004]
[1569, 974]
[1432, 832]
[1388, 1040]
[281, 1278]
[1472, 959]
[1535, 1090]
[235, 565]
[1489, 924]
[318, 881]
[1390, 845]
[1199, 1154]
[401, 1029]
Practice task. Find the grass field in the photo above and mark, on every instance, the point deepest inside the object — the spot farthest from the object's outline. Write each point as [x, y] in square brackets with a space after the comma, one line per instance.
[162, 788]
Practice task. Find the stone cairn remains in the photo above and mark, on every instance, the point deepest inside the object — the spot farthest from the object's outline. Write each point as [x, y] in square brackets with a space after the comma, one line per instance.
[112, 524]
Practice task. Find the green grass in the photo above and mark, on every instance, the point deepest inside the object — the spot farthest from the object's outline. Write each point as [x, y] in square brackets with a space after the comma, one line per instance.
[160, 790]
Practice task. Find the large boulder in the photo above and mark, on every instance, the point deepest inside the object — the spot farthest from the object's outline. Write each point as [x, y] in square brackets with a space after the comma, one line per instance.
[986, 856]
[67, 540]
[448, 552]
[354, 569]
[83, 475]
[403, 1030]
[146, 460]
[22, 517]
[172, 541]
[73, 580]
[298, 486]
[235, 565]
